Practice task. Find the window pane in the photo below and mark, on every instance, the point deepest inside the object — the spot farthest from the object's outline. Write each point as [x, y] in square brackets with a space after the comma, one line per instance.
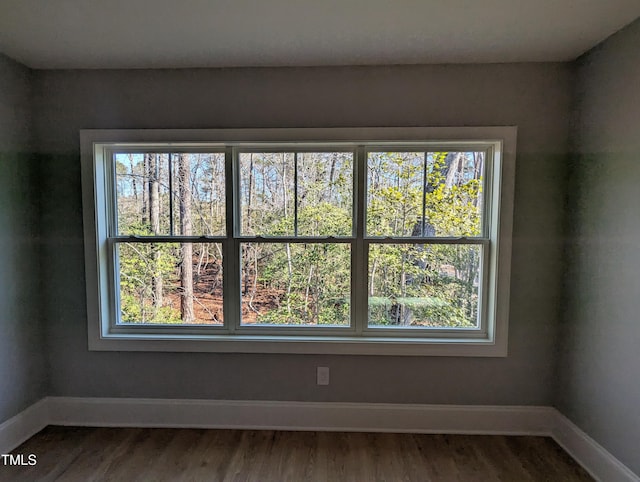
[394, 197]
[296, 284]
[195, 181]
[157, 287]
[142, 191]
[325, 193]
[448, 185]
[420, 285]
[266, 193]
[207, 190]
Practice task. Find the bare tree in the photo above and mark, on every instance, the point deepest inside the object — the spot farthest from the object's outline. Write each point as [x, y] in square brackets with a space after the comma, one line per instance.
[186, 271]
[153, 165]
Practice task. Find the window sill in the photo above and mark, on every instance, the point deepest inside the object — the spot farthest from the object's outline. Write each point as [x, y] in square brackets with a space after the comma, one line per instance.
[301, 345]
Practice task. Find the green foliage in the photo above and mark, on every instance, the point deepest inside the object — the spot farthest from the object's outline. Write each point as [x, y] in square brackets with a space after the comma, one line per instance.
[140, 264]
[135, 311]
[422, 311]
[313, 289]
[324, 219]
[296, 311]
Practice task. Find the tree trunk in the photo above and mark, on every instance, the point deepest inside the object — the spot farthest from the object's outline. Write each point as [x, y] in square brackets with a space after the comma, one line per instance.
[247, 264]
[152, 163]
[289, 276]
[454, 168]
[471, 267]
[327, 194]
[145, 189]
[287, 246]
[154, 193]
[246, 267]
[373, 276]
[249, 193]
[479, 160]
[186, 271]
[306, 292]
[133, 179]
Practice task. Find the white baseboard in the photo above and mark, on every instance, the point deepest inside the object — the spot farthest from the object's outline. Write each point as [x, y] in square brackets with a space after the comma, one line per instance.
[23, 426]
[348, 417]
[329, 416]
[590, 454]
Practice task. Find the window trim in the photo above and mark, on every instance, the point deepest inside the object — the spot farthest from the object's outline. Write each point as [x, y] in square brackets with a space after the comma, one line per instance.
[101, 338]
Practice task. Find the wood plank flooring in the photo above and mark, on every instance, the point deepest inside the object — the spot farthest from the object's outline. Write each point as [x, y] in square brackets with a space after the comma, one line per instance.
[133, 454]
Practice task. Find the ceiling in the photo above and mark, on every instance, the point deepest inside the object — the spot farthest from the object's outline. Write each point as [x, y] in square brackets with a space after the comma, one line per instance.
[58, 34]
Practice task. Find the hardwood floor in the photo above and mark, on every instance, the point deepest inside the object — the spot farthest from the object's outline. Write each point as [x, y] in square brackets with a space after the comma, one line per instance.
[128, 454]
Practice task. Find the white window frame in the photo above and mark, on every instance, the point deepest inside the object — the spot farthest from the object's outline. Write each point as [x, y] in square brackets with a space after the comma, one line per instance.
[490, 340]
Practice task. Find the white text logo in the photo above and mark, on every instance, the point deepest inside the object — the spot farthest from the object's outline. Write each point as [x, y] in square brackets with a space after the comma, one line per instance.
[19, 459]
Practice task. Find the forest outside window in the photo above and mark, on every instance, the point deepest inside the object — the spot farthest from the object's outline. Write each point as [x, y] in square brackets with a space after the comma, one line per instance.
[169, 212]
[288, 245]
[302, 280]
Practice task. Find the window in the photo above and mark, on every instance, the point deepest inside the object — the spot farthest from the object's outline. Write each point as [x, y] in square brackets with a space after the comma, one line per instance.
[354, 241]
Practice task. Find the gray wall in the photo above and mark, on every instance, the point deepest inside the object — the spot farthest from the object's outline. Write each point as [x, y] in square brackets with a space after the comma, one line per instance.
[599, 382]
[535, 97]
[22, 372]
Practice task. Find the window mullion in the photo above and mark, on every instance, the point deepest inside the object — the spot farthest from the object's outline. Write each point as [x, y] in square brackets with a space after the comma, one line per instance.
[484, 289]
[488, 187]
[295, 194]
[110, 190]
[114, 282]
[359, 271]
[231, 255]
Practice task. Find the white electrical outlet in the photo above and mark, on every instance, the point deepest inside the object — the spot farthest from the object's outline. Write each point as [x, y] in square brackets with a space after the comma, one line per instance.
[323, 375]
